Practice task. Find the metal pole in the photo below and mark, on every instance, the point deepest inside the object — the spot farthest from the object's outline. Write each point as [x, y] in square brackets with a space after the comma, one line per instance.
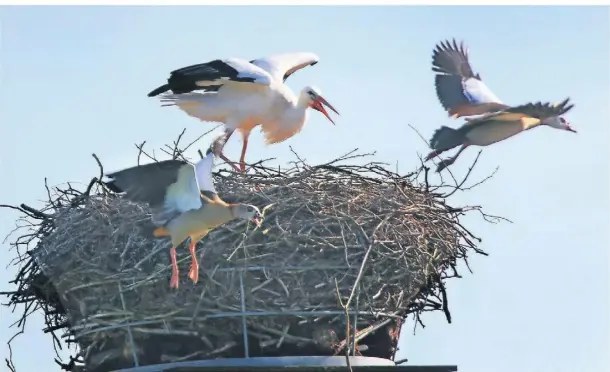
[243, 312]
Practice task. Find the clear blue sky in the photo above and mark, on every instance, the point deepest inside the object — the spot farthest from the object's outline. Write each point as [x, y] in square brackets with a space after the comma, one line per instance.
[74, 81]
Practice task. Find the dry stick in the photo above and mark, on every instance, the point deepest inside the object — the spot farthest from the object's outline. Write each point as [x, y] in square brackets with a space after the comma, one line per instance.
[9, 360]
[355, 285]
[457, 186]
[445, 301]
[321, 180]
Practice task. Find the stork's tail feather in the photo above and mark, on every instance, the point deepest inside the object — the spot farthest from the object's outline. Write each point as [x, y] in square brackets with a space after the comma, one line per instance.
[170, 99]
[446, 138]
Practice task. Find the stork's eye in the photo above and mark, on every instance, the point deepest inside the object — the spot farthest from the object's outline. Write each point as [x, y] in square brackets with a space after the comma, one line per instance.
[562, 120]
[312, 94]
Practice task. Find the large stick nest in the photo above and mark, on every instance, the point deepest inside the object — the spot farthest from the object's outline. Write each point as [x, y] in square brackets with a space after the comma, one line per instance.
[359, 242]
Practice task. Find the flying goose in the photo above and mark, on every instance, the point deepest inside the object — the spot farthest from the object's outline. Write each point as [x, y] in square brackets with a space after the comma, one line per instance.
[496, 127]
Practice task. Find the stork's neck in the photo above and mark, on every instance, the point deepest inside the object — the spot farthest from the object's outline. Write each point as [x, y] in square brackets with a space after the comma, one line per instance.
[298, 113]
[303, 102]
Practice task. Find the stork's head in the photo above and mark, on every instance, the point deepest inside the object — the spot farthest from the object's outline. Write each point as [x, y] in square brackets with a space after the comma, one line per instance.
[313, 98]
[558, 122]
[248, 212]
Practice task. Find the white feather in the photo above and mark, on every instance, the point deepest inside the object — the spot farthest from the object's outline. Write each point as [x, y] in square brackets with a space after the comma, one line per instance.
[278, 65]
[246, 69]
[203, 170]
[184, 194]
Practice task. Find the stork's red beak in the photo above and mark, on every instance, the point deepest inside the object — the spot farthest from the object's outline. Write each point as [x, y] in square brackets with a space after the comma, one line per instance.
[570, 129]
[318, 105]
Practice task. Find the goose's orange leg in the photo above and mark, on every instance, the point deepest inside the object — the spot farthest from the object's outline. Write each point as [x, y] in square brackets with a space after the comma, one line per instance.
[194, 272]
[174, 281]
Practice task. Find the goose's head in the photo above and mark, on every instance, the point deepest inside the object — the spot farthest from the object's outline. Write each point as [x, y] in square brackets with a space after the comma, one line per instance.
[248, 212]
[559, 122]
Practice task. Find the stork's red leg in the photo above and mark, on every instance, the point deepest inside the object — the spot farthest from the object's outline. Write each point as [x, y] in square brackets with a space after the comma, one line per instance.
[223, 140]
[194, 272]
[173, 283]
[447, 162]
[231, 163]
[242, 159]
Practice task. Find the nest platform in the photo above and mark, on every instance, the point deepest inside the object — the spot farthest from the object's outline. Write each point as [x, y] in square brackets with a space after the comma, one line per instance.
[345, 253]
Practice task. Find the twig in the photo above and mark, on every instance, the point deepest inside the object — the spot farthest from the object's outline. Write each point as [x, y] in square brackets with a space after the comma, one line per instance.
[9, 360]
[350, 220]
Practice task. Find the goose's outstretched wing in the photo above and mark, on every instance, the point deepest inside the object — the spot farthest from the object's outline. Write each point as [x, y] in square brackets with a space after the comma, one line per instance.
[170, 187]
[460, 90]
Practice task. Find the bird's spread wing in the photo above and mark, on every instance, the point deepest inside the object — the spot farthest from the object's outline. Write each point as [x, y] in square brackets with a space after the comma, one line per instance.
[222, 71]
[529, 114]
[169, 187]
[281, 66]
[540, 110]
[210, 76]
[146, 183]
[459, 89]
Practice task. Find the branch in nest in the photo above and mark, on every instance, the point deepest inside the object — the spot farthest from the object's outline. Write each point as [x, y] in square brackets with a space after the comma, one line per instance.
[394, 238]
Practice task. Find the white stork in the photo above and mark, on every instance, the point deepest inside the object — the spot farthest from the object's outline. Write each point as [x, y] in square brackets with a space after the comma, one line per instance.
[244, 94]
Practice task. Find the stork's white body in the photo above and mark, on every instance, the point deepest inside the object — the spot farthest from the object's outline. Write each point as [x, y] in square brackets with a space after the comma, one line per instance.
[243, 106]
[244, 94]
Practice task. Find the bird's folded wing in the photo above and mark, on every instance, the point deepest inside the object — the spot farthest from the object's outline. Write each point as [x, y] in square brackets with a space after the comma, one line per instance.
[147, 183]
[456, 83]
[222, 71]
[281, 66]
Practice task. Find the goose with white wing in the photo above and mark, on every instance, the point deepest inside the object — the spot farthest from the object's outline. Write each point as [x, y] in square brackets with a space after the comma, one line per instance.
[495, 127]
[183, 201]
